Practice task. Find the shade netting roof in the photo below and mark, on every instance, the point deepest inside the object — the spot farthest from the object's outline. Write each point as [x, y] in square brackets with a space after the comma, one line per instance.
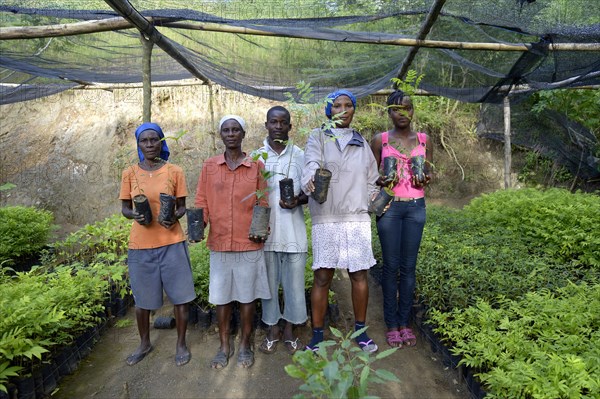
[269, 66]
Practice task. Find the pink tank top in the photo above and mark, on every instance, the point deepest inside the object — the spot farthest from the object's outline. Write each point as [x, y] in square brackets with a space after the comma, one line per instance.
[404, 188]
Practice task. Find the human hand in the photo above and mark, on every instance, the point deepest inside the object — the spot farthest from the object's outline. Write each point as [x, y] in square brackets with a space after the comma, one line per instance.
[387, 181]
[138, 217]
[289, 205]
[310, 186]
[259, 239]
[418, 183]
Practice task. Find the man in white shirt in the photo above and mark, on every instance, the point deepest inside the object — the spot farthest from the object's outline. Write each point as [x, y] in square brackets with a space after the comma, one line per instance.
[287, 246]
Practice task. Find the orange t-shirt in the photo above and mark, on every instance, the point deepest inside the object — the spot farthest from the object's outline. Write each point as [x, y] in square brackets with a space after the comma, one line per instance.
[228, 197]
[168, 179]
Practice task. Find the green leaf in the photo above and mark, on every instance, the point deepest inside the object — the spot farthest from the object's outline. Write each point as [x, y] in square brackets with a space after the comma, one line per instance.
[293, 371]
[386, 375]
[385, 353]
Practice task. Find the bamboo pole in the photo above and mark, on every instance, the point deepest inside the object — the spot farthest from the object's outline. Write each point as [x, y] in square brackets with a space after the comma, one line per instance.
[427, 24]
[27, 32]
[507, 148]
[76, 28]
[370, 37]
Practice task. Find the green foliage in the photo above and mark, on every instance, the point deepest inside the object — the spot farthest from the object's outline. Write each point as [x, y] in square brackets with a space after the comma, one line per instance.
[579, 105]
[508, 243]
[7, 186]
[200, 260]
[511, 282]
[52, 304]
[339, 369]
[544, 345]
[107, 238]
[24, 231]
[410, 84]
[41, 310]
[554, 222]
[5, 373]
[123, 323]
[539, 170]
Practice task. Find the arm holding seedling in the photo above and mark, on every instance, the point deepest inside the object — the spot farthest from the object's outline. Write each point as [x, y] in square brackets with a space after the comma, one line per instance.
[312, 155]
[201, 200]
[130, 213]
[299, 200]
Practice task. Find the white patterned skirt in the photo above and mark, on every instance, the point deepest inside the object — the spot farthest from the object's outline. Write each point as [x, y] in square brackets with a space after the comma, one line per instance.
[342, 245]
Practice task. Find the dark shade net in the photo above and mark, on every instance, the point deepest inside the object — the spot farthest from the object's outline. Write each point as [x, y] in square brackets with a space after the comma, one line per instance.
[271, 66]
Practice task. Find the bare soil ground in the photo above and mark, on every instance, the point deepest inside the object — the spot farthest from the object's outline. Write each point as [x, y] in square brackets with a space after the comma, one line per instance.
[104, 374]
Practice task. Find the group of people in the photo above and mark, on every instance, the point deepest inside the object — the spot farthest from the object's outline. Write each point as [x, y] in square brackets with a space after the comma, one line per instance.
[244, 267]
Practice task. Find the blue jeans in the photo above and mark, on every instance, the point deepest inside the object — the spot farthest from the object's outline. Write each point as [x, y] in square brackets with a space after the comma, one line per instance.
[287, 269]
[400, 230]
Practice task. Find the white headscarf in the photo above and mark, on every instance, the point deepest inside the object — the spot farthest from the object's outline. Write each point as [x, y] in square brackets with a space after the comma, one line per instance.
[239, 120]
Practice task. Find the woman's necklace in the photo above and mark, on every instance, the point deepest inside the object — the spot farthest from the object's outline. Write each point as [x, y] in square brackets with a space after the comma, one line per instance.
[152, 166]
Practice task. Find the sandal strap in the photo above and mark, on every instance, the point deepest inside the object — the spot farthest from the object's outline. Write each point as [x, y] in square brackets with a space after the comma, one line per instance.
[293, 343]
[407, 333]
[270, 343]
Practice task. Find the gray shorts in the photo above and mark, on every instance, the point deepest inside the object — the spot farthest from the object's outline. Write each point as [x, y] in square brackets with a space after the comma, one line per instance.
[237, 276]
[152, 270]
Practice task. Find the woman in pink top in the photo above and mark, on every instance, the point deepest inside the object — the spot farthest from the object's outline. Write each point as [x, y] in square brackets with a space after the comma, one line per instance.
[400, 228]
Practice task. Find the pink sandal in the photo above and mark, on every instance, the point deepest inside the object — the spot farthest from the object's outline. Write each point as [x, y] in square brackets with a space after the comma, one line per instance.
[394, 339]
[407, 337]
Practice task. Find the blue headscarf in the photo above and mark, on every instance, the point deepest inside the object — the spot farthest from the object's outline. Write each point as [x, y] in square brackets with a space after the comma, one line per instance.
[333, 97]
[164, 149]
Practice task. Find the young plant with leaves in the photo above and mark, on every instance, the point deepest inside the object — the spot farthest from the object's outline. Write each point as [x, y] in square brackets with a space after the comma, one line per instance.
[339, 369]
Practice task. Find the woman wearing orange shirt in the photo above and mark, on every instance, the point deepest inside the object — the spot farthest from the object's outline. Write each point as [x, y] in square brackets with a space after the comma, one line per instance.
[227, 193]
[158, 256]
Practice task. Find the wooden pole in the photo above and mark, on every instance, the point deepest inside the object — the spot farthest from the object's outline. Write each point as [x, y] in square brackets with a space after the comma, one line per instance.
[427, 24]
[372, 38]
[147, 78]
[507, 148]
[76, 28]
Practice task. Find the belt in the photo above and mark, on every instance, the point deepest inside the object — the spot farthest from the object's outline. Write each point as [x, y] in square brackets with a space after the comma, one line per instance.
[402, 199]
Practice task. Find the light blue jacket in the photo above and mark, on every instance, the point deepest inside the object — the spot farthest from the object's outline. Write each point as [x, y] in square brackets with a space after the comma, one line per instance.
[354, 174]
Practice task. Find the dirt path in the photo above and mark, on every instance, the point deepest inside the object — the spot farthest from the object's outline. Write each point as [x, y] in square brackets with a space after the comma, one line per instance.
[104, 374]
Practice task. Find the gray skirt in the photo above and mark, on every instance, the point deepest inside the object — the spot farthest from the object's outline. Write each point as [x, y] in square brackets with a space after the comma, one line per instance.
[237, 276]
[154, 269]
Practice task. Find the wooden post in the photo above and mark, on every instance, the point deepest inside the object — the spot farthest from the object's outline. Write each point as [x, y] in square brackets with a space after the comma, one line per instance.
[507, 152]
[147, 78]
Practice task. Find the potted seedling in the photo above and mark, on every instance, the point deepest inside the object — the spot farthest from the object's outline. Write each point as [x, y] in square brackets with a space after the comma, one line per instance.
[417, 167]
[260, 219]
[195, 224]
[286, 185]
[140, 201]
[261, 215]
[386, 194]
[310, 112]
[168, 201]
[322, 176]
[142, 206]
[167, 207]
